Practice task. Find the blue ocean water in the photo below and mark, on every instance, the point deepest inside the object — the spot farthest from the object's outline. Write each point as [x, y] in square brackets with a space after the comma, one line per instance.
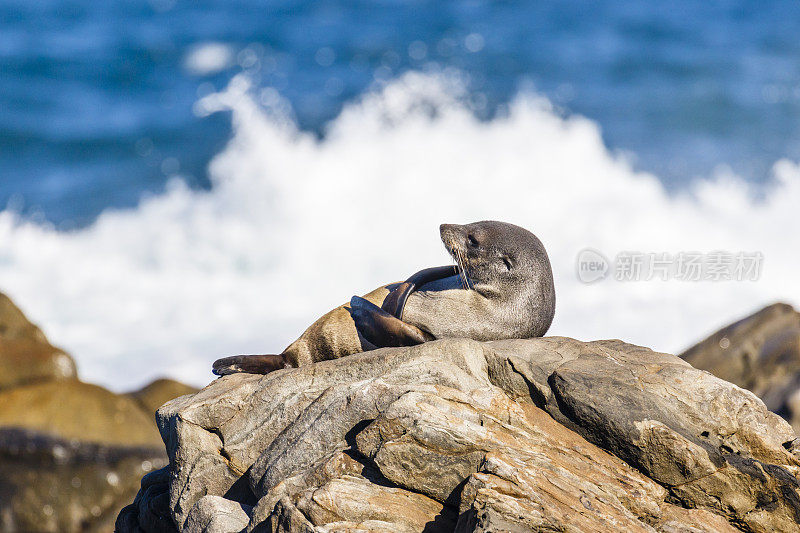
[96, 98]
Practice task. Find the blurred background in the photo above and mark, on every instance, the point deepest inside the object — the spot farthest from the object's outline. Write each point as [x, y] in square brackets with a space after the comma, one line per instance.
[187, 180]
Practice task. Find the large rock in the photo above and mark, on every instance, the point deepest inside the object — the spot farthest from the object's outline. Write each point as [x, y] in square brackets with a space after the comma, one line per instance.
[25, 353]
[711, 444]
[457, 435]
[760, 353]
[80, 411]
[71, 455]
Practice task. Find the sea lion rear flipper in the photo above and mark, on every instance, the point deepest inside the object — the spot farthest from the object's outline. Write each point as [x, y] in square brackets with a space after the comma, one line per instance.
[252, 364]
[381, 328]
[396, 300]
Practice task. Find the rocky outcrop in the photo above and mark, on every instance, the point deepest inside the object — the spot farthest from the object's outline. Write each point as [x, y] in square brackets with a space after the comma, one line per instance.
[25, 354]
[760, 353]
[455, 435]
[71, 453]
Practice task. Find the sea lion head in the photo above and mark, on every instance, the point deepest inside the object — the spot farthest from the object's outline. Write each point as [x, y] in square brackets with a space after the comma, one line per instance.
[500, 258]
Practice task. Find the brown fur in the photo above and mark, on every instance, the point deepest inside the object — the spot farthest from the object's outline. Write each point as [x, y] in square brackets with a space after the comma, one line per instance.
[333, 335]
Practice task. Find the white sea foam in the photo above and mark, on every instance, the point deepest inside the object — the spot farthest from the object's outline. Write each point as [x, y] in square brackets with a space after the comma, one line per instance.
[294, 226]
[208, 58]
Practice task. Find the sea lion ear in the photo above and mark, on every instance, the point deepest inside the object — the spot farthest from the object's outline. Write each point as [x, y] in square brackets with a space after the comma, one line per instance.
[507, 262]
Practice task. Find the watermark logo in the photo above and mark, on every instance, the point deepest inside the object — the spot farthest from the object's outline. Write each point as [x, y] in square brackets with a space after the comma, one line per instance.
[592, 266]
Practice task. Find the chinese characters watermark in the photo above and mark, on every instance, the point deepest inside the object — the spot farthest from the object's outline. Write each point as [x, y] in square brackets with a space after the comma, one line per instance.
[592, 266]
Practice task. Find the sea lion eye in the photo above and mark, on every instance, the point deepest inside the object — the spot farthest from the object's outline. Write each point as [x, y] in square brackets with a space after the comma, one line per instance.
[507, 262]
[472, 241]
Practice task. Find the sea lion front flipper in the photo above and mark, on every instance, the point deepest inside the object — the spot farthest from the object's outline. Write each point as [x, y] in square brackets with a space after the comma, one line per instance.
[251, 364]
[381, 328]
[396, 301]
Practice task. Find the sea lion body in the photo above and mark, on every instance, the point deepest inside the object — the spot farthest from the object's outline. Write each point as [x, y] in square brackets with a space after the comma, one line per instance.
[501, 288]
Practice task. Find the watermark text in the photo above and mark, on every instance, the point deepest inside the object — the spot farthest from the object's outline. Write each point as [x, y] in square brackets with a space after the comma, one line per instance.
[592, 265]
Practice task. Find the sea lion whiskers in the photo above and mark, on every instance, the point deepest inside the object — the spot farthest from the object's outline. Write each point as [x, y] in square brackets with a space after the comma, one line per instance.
[460, 259]
[460, 262]
[467, 281]
[459, 268]
[461, 274]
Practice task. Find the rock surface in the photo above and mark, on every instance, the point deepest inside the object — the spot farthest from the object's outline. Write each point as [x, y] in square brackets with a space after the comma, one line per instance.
[548, 434]
[760, 353]
[217, 514]
[71, 453]
[25, 353]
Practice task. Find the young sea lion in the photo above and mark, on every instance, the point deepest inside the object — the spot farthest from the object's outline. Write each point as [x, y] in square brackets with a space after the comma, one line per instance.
[501, 288]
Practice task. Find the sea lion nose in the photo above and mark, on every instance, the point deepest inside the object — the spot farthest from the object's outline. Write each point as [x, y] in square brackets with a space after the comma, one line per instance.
[448, 233]
[448, 229]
